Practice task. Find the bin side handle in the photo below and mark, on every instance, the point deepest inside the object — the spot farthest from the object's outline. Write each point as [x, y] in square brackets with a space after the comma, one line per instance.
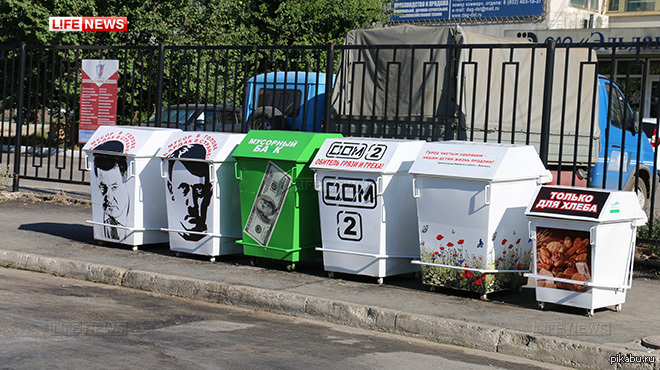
[379, 183]
[237, 172]
[131, 168]
[414, 188]
[294, 170]
[382, 212]
[592, 236]
[87, 165]
[162, 173]
[532, 236]
[631, 255]
[487, 195]
[317, 184]
[211, 173]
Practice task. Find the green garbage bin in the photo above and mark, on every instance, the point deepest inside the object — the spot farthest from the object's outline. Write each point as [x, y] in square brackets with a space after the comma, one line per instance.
[279, 205]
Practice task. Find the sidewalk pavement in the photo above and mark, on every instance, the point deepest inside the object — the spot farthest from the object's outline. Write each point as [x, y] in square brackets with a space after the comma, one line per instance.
[55, 238]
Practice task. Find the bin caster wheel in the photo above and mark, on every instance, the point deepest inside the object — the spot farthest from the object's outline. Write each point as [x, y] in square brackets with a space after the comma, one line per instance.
[212, 259]
[101, 243]
[484, 297]
[178, 254]
[541, 305]
[254, 261]
[380, 281]
[416, 275]
[432, 288]
[331, 274]
[590, 313]
[135, 249]
[618, 307]
[291, 267]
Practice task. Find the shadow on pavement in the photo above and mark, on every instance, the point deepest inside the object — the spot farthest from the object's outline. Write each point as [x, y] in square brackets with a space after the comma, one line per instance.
[79, 233]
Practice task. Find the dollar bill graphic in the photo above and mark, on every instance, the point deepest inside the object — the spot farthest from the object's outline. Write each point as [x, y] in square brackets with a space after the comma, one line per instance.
[267, 204]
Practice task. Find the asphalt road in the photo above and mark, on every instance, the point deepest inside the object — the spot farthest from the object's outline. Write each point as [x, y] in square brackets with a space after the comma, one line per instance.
[52, 322]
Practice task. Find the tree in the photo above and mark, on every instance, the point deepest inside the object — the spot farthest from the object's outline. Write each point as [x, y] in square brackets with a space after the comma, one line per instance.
[194, 22]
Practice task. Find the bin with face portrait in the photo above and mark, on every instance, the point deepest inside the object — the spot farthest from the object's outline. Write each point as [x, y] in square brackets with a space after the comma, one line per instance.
[203, 212]
[126, 190]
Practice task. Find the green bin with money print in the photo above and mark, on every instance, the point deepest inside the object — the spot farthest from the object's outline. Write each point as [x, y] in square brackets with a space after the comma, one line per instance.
[279, 205]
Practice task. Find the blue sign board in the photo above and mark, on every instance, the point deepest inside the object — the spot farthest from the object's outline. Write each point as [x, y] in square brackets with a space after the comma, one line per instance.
[444, 10]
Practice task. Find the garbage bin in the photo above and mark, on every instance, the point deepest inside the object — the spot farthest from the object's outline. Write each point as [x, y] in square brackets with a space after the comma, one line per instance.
[471, 201]
[584, 243]
[202, 194]
[368, 213]
[126, 189]
[279, 206]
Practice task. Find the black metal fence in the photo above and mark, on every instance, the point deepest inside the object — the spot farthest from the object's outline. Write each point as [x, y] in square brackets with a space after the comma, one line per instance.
[536, 94]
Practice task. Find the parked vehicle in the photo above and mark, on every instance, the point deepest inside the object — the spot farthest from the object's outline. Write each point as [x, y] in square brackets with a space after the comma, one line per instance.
[292, 100]
[618, 165]
[200, 117]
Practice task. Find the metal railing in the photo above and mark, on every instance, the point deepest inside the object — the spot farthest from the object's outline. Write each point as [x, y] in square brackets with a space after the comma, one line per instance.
[507, 93]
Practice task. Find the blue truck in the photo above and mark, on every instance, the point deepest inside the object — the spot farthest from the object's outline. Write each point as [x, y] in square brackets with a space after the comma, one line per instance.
[292, 101]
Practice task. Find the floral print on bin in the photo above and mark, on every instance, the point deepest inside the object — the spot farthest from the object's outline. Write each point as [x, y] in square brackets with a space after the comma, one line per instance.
[510, 253]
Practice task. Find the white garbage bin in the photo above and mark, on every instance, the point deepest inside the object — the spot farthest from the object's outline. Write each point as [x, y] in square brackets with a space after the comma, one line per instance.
[366, 206]
[202, 193]
[584, 243]
[471, 201]
[126, 189]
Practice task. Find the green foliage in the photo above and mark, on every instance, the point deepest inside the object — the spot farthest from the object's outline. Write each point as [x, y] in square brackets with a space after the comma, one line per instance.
[654, 234]
[194, 22]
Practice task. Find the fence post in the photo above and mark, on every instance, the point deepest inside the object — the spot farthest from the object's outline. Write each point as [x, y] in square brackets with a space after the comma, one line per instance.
[19, 117]
[329, 74]
[159, 84]
[551, 45]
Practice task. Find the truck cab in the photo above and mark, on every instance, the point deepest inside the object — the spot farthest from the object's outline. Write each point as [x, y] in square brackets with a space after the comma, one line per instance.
[292, 101]
[618, 164]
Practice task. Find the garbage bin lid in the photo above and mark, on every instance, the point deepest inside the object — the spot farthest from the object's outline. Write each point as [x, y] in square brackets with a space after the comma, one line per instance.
[595, 205]
[480, 161]
[281, 145]
[128, 140]
[367, 155]
[201, 146]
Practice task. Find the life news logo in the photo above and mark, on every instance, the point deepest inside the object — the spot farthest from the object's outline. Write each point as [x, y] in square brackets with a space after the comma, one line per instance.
[88, 24]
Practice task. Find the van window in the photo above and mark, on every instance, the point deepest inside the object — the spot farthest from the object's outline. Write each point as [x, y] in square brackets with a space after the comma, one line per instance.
[282, 99]
[617, 106]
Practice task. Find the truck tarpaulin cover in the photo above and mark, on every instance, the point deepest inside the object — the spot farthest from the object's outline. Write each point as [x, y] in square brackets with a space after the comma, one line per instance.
[419, 83]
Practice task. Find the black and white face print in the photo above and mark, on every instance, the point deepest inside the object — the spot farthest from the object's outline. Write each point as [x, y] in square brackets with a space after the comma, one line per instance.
[110, 190]
[189, 192]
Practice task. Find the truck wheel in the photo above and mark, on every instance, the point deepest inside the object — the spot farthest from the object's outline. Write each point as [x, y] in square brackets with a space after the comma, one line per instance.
[265, 118]
[642, 191]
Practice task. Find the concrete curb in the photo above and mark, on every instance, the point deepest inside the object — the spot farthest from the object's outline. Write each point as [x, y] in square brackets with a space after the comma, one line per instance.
[489, 338]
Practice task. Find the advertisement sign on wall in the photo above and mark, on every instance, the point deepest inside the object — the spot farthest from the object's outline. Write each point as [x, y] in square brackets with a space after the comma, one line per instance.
[98, 96]
[444, 10]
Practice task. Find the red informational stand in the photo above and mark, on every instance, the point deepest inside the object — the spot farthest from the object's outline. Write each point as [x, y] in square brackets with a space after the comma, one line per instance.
[98, 96]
